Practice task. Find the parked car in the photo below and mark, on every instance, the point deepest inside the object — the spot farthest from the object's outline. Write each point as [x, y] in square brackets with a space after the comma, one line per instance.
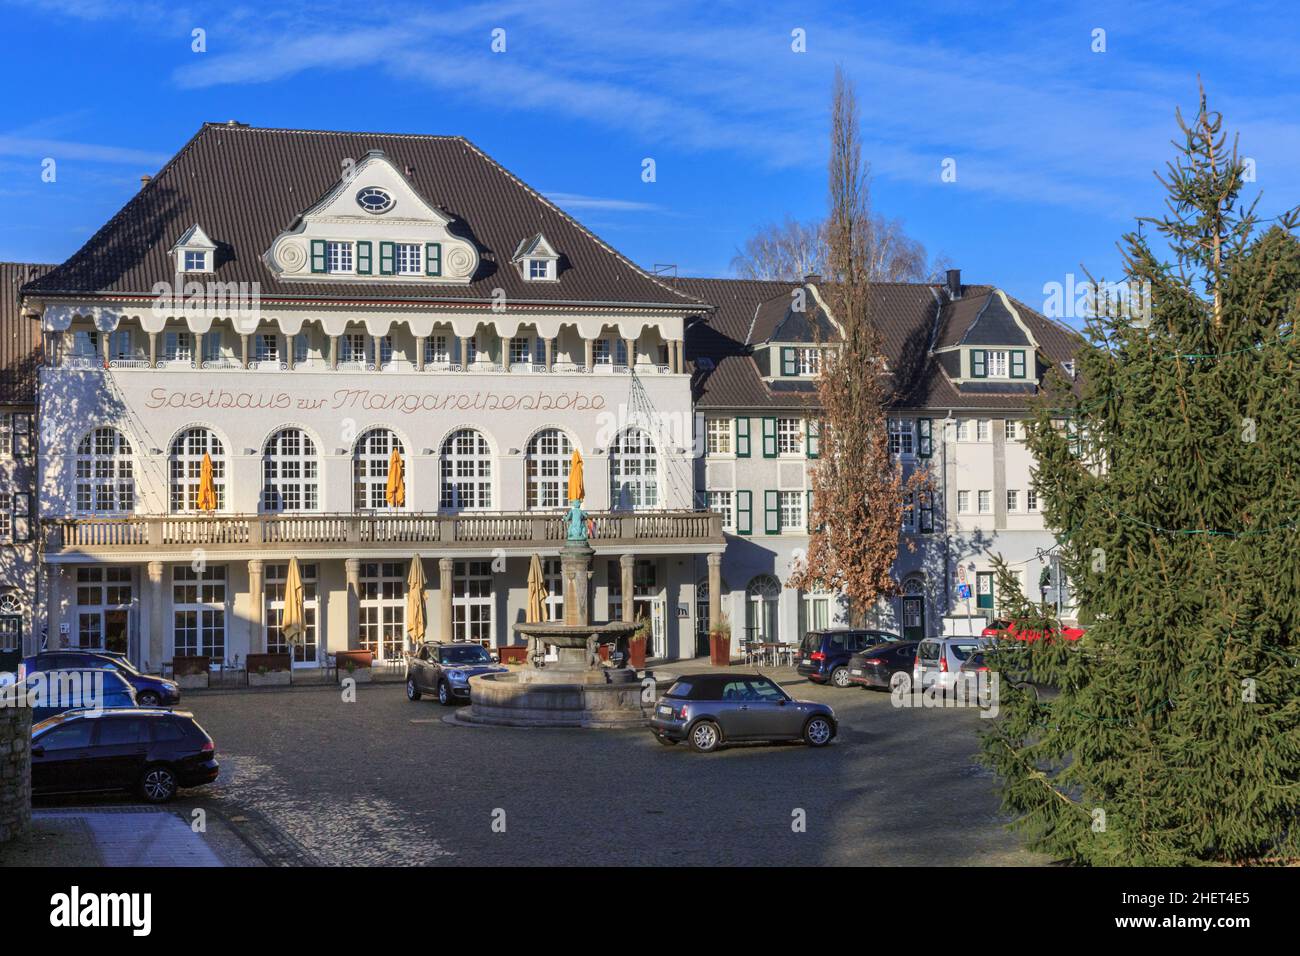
[711, 710]
[1016, 677]
[152, 752]
[445, 670]
[885, 665]
[66, 690]
[150, 691]
[938, 660]
[824, 655]
[1007, 631]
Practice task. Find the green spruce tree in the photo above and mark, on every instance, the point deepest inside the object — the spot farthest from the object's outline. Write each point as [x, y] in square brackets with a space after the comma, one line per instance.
[1172, 473]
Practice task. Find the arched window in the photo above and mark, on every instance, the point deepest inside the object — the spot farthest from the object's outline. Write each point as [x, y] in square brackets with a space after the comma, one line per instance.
[185, 467]
[290, 472]
[466, 471]
[761, 597]
[547, 469]
[105, 482]
[633, 471]
[370, 458]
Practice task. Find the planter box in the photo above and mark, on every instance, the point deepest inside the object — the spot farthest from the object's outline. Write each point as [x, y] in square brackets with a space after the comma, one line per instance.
[359, 659]
[720, 650]
[193, 681]
[270, 679]
[191, 673]
[362, 675]
[636, 652]
[269, 662]
[516, 653]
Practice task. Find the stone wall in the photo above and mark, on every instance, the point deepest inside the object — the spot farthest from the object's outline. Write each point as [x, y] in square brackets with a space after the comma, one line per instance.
[15, 771]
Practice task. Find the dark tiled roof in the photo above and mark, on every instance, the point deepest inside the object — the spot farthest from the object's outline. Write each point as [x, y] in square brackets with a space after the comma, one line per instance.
[749, 312]
[246, 185]
[20, 338]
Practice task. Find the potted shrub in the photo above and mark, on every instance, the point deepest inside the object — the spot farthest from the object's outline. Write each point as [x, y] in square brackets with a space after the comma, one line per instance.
[269, 670]
[355, 664]
[720, 643]
[192, 672]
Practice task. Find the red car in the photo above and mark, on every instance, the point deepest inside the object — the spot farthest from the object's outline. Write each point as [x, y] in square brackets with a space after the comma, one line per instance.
[1007, 630]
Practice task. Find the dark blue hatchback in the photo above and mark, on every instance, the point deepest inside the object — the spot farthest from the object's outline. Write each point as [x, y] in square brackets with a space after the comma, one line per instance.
[824, 655]
[150, 691]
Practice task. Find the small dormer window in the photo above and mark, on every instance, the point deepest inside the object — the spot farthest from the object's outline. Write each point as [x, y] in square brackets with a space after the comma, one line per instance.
[536, 259]
[539, 269]
[997, 363]
[194, 251]
[196, 261]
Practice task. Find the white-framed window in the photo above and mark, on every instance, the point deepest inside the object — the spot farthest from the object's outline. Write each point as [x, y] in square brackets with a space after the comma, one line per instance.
[546, 469]
[902, 436]
[1013, 500]
[212, 345]
[290, 472]
[436, 351]
[633, 471]
[352, 347]
[539, 269]
[15, 434]
[521, 350]
[810, 361]
[718, 436]
[105, 477]
[471, 602]
[185, 468]
[385, 350]
[104, 599]
[338, 257]
[909, 513]
[6, 518]
[371, 457]
[466, 467]
[407, 259]
[120, 345]
[721, 503]
[301, 348]
[381, 619]
[267, 347]
[792, 502]
[196, 261]
[963, 502]
[963, 429]
[178, 347]
[789, 436]
[553, 579]
[1031, 500]
[983, 430]
[1015, 429]
[985, 502]
[199, 611]
[762, 597]
[608, 351]
[277, 576]
[997, 363]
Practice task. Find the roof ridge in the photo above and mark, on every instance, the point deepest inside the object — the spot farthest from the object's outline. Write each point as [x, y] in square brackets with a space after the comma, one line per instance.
[246, 128]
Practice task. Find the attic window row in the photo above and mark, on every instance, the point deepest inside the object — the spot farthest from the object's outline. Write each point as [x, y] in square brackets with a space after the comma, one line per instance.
[338, 257]
[997, 363]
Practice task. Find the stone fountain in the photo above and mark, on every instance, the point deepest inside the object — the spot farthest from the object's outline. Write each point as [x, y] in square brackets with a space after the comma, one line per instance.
[578, 689]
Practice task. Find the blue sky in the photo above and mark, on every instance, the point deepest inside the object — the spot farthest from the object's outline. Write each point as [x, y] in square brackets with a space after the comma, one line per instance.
[1054, 144]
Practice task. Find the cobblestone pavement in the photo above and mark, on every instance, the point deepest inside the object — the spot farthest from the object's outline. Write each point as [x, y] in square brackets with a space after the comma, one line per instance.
[308, 778]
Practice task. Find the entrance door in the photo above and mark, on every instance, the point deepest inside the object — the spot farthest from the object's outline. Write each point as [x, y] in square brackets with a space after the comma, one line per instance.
[658, 628]
[913, 618]
[984, 590]
[117, 624]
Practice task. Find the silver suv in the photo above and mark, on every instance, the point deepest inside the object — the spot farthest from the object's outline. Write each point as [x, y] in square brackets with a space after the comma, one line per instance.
[939, 660]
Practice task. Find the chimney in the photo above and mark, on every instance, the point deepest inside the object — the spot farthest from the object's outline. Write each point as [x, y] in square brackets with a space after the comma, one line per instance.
[954, 283]
[145, 180]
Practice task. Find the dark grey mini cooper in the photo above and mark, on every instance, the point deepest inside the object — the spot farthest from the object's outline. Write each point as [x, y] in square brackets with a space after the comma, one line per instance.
[711, 710]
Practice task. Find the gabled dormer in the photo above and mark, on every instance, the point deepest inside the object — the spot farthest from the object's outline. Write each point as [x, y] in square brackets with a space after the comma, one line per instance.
[789, 334]
[372, 226]
[985, 345]
[194, 252]
[537, 260]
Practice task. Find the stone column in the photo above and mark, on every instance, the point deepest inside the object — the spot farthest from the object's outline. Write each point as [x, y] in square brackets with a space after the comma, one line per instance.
[198, 350]
[626, 562]
[630, 345]
[153, 349]
[377, 349]
[334, 351]
[155, 572]
[715, 590]
[103, 346]
[256, 579]
[243, 351]
[550, 354]
[54, 612]
[419, 353]
[589, 349]
[464, 353]
[288, 351]
[445, 568]
[352, 568]
[15, 772]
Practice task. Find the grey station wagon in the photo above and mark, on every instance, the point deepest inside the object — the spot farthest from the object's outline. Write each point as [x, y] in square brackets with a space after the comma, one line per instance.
[711, 710]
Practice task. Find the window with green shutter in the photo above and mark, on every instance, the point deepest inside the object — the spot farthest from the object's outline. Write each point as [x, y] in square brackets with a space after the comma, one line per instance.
[772, 512]
[386, 258]
[978, 364]
[769, 437]
[433, 258]
[814, 444]
[318, 255]
[364, 263]
[808, 514]
[789, 362]
[925, 437]
[744, 512]
[1017, 364]
[742, 437]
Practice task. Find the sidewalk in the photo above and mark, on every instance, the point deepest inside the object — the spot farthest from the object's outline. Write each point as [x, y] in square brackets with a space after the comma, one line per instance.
[132, 835]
